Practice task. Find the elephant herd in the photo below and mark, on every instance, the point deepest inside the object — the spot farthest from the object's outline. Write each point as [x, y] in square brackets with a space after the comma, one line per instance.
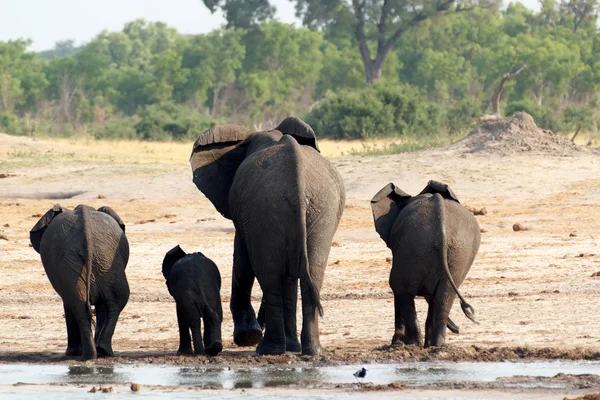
[285, 200]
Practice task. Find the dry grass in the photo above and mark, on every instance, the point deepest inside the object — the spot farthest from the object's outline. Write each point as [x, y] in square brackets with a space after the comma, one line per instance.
[23, 152]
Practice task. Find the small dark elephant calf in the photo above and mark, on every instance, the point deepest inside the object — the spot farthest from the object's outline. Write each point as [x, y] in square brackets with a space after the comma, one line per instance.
[434, 240]
[194, 282]
[84, 253]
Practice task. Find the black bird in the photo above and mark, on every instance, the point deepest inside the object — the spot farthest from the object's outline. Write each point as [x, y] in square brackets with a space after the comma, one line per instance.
[361, 373]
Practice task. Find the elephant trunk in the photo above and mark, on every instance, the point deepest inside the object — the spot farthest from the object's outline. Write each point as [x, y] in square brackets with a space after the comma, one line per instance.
[466, 307]
[85, 217]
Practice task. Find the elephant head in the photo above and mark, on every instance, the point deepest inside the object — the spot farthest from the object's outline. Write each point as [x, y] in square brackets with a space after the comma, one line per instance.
[391, 200]
[36, 233]
[219, 151]
[113, 214]
[172, 256]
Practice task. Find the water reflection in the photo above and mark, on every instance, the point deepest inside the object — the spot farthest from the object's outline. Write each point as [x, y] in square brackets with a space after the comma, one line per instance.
[412, 373]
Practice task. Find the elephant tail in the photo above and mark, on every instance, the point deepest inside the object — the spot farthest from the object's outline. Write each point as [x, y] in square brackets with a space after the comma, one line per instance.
[468, 310]
[298, 264]
[88, 261]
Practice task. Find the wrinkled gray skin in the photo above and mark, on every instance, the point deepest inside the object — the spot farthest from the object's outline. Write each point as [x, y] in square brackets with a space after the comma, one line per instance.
[434, 240]
[69, 242]
[194, 282]
[285, 201]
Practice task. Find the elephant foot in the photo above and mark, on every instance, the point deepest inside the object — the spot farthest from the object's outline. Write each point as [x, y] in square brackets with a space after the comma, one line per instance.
[398, 340]
[266, 348]
[105, 351]
[247, 332]
[292, 345]
[185, 351]
[312, 350]
[73, 352]
[214, 349]
[90, 355]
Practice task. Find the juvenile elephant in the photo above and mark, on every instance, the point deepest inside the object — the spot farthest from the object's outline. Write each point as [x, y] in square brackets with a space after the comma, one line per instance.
[84, 253]
[195, 283]
[434, 240]
[286, 201]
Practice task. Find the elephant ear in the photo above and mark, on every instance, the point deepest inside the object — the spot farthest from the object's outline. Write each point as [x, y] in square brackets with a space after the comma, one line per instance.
[36, 233]
[300, 130]
[386, 205]
[441, 188]
[113, 214]
[172, 256]
[216, 156]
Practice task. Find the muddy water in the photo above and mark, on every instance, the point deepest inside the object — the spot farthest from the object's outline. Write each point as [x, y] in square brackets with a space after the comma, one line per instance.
[411, 373]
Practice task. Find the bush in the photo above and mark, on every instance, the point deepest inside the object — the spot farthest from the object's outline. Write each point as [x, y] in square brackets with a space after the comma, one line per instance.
[168, 121]
[374, 111]
[577, 118]
[116, 128]
[9, 123]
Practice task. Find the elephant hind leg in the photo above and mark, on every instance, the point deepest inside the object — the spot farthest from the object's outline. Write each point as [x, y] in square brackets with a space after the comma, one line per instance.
[273, 342]
[81, 316]
[185, 343]
[104, 340]
[101, 316]
[191, 313]
[290, 302]
[429, 321]
[444, 297]
[73, 335]
[407, 325]
[246, 331]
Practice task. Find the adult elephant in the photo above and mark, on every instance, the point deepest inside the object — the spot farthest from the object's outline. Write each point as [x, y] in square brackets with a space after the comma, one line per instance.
[286, 201]
[84, 253]
[434, 240]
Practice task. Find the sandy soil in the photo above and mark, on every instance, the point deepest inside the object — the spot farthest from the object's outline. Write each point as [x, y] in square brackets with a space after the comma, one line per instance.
[533, 290]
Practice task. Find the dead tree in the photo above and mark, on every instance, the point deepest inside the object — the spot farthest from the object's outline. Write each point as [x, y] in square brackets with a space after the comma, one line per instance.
[496, 99]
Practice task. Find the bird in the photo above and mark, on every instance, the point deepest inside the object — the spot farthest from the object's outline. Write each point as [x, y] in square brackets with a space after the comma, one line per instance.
[361, 373]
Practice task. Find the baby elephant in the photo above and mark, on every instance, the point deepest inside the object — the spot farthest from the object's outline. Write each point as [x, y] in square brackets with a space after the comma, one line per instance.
[84, 253]
[434, 240]
[194, 282]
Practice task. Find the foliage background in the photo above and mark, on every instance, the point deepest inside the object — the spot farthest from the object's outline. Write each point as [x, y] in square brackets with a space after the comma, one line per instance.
[150, 82]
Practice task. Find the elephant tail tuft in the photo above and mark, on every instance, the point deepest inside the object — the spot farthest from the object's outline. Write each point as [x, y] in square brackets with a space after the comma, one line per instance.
[466, 307]
[88, 261]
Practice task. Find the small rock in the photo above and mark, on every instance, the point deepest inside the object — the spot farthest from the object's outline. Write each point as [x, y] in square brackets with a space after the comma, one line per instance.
[101, 196]
[7, 225]
[107, 390]
[336, 262]
[572, 234]
[595, 274]
[145, 221]
[336, 244]
[135, 387]
[212, 386]
[397, 385]
[476, 211]
[483, 230]
[556, 291]
[513, 294]
[347, 333]
[93, 390]
[518, 227]
[389, 259]
[36, 215]
[3, 236]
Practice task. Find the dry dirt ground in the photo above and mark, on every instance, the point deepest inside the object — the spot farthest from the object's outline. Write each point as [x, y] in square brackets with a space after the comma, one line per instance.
[533, 290]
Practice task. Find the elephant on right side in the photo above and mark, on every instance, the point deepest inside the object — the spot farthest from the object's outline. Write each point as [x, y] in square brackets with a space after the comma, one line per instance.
[434, 241]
